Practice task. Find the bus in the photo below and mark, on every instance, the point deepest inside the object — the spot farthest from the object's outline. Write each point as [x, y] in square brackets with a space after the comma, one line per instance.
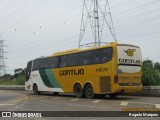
[111, 69]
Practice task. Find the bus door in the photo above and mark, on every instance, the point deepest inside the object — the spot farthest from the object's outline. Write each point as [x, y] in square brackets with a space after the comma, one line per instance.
[27, 74]
[129, 65]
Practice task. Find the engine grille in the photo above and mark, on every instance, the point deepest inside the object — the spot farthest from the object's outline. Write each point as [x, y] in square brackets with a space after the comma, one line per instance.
[105, 84]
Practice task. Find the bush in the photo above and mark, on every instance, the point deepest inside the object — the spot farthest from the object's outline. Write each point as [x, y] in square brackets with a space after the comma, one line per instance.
[150, 75]
[20, 80]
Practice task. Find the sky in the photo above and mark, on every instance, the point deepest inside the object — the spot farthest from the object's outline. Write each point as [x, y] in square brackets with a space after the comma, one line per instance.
[35, 28]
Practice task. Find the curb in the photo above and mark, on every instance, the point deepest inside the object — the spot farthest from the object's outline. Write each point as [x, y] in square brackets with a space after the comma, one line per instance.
[12, 87]
[151, 91]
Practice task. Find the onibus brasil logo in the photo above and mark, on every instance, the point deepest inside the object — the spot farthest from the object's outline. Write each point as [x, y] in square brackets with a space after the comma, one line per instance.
[130, 52]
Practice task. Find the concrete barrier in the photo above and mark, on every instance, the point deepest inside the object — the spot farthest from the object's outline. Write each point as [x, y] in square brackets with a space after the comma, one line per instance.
[12, 87]
[150, 91]
[146, 91]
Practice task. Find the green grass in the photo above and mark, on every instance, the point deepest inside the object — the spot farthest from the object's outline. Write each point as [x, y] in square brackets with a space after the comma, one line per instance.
[20, 80]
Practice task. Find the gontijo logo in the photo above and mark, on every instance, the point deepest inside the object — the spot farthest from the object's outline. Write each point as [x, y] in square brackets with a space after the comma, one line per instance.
[130, 52]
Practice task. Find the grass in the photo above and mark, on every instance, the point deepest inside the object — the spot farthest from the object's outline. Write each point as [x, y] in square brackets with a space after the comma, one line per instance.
[20, 80]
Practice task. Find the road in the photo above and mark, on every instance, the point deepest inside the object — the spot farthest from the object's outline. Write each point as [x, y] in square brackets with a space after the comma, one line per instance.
[27, 101]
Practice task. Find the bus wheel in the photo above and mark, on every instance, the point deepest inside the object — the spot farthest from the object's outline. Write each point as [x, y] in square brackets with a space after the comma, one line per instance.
[114, 95]
[89, 92]
[78, 91]
[56, 93]
[35, 89]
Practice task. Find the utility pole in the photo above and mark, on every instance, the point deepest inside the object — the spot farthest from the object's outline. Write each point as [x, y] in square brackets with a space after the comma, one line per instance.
[2, 59]
[96, 14]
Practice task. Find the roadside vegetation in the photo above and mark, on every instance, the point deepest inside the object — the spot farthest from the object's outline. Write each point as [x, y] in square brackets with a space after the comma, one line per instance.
[151, 73]
[17, 79]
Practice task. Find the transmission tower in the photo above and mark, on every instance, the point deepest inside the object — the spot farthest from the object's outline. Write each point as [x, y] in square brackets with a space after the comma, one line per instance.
[2, 59]
[97, 15]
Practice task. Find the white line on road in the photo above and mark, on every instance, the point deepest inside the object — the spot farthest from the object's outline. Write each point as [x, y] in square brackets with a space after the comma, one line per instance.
[157, 106]
[6, 104]
[56, 98]
[124, 103]
[75, 99]
[96, 101]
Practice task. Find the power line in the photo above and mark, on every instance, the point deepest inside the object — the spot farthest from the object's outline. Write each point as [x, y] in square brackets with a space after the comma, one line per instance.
[23, 4]
[40, 23]
[17, 22]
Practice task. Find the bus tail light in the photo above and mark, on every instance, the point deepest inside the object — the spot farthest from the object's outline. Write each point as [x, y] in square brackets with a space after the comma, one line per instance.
[116, 79]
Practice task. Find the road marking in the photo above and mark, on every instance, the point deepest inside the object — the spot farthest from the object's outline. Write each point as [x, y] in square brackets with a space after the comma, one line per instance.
[96, 101]
[75, 99]
[157, 106]
[16, 101]
[6, 104]
[124, 103]
[22, 99]
[56, 98]
[38, 97]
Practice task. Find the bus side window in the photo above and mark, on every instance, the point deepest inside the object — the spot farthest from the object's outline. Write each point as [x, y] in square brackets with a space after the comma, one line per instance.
[106, 54]
[72, 60]
[43, 63]
[52, 62]
[63, 62]
[104, 59]
[85, 58]
[40, 64]
[36, 64]
[96, 56]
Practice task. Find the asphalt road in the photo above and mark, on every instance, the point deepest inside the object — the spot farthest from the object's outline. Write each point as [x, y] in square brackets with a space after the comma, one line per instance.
[27, 101]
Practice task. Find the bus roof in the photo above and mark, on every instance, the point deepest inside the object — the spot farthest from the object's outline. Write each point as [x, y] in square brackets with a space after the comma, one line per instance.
[81, 50]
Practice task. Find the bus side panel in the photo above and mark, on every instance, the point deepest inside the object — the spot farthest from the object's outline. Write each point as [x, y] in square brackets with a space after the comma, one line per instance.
[44, 80]
[93, 74]
[61, 82]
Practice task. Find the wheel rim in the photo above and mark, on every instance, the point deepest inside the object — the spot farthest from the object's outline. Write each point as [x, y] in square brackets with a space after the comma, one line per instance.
[89, 91]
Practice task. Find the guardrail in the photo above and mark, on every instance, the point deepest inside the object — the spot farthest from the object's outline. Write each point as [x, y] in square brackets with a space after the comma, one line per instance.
[146, 91]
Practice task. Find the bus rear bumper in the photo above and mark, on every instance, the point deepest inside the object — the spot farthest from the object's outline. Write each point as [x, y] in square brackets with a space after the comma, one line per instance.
[129, 89]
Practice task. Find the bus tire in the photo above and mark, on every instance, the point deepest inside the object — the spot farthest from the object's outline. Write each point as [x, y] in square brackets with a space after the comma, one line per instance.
[78, 91]
[35, 89]
[114, 95]
[56, 93]
[89, 92]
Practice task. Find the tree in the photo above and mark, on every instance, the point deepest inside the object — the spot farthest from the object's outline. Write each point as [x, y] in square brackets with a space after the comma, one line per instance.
[157, 66]
[150, 76]
[17, 71]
